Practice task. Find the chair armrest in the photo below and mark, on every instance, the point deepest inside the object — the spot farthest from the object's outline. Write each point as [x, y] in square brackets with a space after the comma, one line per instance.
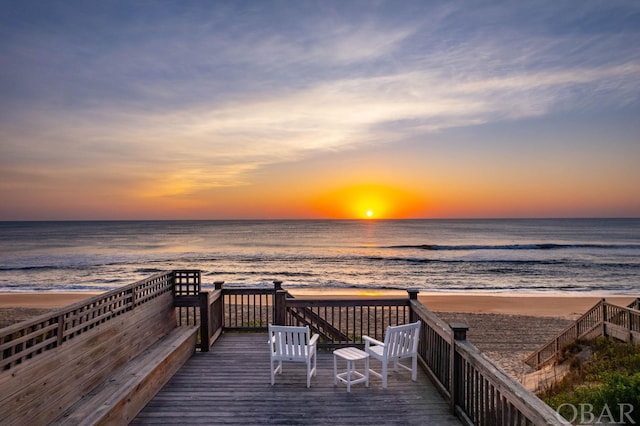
[314, 340]
[369, 340]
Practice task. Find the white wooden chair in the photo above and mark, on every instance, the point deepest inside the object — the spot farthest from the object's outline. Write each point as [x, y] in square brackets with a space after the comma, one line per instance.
[295, 344]
[400, 342]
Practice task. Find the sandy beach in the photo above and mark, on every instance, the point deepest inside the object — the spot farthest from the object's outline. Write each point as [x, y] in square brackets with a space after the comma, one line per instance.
[558, 306]
[505, 328]
[16, 307]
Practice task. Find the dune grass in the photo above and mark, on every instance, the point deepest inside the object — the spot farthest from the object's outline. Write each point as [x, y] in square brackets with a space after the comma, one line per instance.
[605, 373]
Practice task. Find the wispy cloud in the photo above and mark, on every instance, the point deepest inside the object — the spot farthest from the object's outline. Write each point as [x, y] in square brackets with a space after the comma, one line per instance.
[219, 100]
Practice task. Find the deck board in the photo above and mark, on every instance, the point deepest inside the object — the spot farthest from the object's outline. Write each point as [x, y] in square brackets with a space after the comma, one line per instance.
[231, 385]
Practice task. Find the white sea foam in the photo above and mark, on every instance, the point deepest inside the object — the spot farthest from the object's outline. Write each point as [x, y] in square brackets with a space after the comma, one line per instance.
[524, 256]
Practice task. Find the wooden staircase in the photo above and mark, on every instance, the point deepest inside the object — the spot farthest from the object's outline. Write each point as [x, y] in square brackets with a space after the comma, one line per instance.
[317, 324]
[604, 319]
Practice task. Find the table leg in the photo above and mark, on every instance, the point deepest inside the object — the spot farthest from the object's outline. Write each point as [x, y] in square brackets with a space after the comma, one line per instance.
[366, 371]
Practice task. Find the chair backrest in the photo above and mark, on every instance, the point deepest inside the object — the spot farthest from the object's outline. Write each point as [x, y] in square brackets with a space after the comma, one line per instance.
[289, 342]
[401, 340]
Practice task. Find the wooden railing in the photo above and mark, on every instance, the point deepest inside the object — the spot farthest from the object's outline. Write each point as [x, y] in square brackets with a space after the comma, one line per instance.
[33, 337]
[435, 347]
[339, 322]
[343, 322]
[622, 323]
[248, 309]
[603, 319]
[479, 393]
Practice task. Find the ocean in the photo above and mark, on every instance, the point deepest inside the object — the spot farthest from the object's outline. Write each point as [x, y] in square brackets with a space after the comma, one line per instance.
[523, 256]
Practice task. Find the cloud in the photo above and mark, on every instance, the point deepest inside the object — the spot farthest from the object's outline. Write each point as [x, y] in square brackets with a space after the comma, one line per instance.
[201, 102]
[220, 145]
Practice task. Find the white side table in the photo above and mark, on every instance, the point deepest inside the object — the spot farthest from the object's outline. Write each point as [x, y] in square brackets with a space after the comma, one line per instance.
[351, 376]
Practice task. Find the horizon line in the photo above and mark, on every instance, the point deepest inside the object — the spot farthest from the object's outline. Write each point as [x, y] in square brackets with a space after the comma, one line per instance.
[326, 219]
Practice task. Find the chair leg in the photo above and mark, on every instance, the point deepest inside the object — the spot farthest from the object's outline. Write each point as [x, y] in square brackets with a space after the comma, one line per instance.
[384, 374]
[275, 370]
[366, 371]
[414, 368]
[315, 363]
[273, 375]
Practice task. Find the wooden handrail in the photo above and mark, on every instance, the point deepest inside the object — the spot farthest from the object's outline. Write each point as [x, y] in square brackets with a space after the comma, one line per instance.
[344, 321]
[603, 319]
[317, 324]
[584, 325]
[38, 335]
[486, 395]
[479, 392]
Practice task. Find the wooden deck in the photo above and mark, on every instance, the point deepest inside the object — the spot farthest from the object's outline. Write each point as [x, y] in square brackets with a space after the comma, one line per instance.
[231, 385]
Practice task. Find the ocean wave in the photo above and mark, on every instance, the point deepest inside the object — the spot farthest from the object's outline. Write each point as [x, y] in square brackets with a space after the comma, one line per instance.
[533, 246]
[501, 261]
[148, 270]
[26, 288]
[259, 272]
[42, 268]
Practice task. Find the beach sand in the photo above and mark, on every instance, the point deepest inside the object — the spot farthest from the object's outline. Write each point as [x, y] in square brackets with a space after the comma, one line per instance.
[505, 328]
[16, 307]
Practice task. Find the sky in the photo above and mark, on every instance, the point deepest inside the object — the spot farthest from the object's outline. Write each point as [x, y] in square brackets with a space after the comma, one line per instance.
[319, 109]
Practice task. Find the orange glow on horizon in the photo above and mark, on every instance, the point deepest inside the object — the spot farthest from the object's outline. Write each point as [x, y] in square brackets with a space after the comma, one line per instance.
[368, 202]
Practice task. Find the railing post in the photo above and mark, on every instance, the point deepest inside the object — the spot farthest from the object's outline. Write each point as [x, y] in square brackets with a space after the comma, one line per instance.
[456, 375]
[413, 293]
[280, 307]
[205, 334]
[60, 331]
[277, 286]
[133, 297]
[217, 312]
[604, 317]
[628, 311]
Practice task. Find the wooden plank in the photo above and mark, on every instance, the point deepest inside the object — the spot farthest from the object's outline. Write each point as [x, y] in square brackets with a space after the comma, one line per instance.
[526, 402]
[347, 303]
[75, 348]
[43, 387]
[130, 388]
[231, 385]
[618, 332]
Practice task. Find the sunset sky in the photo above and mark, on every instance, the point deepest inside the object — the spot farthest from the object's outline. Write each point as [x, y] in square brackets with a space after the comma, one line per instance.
[319, 109]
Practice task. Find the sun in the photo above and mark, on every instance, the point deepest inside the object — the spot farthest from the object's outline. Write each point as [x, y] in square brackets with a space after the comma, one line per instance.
[368, 201]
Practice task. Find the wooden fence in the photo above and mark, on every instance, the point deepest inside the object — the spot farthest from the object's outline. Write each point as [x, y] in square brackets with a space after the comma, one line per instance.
[99, 360]
[31, 338]
[479, 393]
[340, 322]
[603, 319]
